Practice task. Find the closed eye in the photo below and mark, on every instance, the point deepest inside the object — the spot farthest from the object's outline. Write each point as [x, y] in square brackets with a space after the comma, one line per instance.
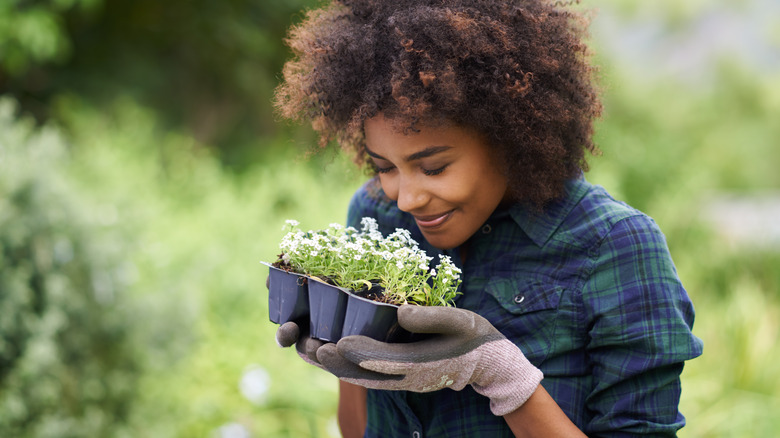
[434, 172]
[378, 169]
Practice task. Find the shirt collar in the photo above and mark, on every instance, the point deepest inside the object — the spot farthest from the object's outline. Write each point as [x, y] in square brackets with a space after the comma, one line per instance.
[540, 225]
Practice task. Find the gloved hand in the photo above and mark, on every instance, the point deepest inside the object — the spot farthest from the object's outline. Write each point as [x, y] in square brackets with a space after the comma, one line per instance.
[289, 333]
[464, 350]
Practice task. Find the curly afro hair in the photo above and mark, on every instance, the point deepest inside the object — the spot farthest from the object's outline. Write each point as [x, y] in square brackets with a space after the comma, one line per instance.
[517, 71]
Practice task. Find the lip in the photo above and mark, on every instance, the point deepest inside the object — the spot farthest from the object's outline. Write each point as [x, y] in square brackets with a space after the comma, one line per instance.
[432, 221]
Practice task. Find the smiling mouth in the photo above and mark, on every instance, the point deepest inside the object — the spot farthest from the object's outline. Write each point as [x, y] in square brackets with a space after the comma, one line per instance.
[432, 221]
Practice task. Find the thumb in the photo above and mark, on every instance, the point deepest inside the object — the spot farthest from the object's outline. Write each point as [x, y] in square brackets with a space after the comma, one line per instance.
[346, 370]
[436, 319]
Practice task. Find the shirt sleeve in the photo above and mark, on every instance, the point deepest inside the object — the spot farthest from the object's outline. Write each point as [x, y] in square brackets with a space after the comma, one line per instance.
[356, 209]
[364, 203]
[639, 320]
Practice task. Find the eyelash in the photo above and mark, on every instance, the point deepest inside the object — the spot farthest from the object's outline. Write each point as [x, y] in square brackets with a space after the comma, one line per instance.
[427, 172]
[381, 169]
[434, 172]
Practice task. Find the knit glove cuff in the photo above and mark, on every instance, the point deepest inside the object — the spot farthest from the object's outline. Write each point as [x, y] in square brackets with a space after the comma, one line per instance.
[506, 377]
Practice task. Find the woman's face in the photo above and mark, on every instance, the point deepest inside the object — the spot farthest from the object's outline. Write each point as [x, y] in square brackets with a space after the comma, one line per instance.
[443, 175]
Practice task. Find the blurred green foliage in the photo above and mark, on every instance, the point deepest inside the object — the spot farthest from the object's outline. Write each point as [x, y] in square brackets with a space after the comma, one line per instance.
[34, 33]
[132, 302]
[205, 231]
[69, 359]
[207, 66]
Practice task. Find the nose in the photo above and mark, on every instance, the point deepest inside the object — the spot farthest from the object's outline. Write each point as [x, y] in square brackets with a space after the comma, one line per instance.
[411, 195]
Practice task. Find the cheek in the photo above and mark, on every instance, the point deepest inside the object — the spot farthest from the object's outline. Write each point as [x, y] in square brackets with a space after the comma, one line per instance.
[463, 190]
[483, 191]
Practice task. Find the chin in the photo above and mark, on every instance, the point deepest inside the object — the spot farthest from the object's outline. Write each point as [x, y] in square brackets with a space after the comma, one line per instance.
[441, 242]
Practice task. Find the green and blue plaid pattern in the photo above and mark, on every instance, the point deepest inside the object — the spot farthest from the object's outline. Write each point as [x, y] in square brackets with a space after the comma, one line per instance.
[587, 290]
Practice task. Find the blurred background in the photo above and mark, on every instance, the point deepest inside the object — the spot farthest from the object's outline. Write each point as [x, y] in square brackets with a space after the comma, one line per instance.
[144, 176]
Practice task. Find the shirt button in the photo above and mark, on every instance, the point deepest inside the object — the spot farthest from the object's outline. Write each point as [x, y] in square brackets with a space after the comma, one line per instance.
[519, 298]
[486, 229]
[416, 434]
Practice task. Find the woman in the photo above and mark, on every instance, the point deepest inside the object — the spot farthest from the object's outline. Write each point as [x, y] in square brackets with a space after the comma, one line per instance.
[475, 117]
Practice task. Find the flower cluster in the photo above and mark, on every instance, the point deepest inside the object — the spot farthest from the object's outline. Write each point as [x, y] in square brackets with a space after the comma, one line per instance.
[359, 259]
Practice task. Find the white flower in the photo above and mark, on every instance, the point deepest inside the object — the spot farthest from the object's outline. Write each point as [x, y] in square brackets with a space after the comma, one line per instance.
[352, 246]
[351, 256]
[291, 222]
[368, 224]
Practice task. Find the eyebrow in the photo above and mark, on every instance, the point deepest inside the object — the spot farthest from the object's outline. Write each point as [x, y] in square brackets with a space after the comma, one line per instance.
[427, 152]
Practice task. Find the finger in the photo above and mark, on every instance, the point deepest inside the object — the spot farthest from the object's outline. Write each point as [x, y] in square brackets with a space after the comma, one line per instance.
[309, 347]
[392, 358]
[287, 334]
[435, 319]
[344, 369]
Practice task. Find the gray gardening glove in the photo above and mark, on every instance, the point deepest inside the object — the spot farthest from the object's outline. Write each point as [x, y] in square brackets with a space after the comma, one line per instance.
[289, 333]
[465, 349]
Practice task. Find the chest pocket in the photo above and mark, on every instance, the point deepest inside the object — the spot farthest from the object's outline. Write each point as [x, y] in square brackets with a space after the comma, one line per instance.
[526, 313]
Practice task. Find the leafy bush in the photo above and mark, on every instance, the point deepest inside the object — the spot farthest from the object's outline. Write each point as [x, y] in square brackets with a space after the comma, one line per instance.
[208, 65]
[199, 233]
[69, 362]
[34, 33]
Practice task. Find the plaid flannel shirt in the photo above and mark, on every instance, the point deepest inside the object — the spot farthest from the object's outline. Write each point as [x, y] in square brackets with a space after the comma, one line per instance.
[587, 290]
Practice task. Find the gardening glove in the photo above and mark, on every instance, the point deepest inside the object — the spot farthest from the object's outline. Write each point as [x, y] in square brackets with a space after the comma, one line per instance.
[464, 349]
[289, 333]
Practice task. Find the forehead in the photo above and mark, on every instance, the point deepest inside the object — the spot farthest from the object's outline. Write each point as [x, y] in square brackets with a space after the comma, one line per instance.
[379, 130]
[386, 138]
